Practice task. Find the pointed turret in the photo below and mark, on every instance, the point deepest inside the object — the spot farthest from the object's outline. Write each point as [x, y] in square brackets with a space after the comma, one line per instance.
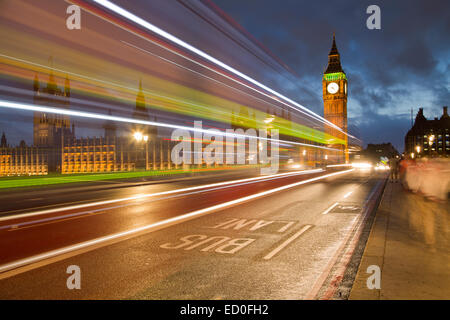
[334, 61]
[52, 87]
[141, 111]
[445, 113]
[334, 49]
[3, 143]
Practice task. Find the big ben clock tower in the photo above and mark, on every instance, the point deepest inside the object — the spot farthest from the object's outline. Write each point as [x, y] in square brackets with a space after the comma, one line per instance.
[334, 85]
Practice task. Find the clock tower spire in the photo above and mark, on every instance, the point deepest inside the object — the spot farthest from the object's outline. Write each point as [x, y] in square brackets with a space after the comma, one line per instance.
[334, 87]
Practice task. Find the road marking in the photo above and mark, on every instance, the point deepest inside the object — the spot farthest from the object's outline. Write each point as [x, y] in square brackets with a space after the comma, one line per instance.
[140, 196]
[288, 241]
[287, 226]
[330, 208]
[154, 226]
[348, 194]
[220, 244]
[253, 225]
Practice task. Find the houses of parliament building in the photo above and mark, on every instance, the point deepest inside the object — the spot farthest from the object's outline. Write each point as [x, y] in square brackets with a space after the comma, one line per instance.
[55, 148]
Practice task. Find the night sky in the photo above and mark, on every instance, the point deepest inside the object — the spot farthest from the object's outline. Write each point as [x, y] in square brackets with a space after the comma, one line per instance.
[404, 65]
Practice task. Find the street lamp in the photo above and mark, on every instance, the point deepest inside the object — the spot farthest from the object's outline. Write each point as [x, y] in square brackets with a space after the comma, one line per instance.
[418, 149]
[138, 136]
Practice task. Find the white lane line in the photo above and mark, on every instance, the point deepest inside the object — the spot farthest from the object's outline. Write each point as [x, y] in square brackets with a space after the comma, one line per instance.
[348, 194]
[330, 208]
[288, 241]
[158, 225]
[140, 196]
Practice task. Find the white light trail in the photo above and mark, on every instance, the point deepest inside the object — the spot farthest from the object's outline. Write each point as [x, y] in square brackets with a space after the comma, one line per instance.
[83, 114]
[141, 196]
[155, 226]
[339, 165]
[124, 13]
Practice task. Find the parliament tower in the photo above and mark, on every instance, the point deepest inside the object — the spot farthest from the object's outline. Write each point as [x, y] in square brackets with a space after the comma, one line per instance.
[334, 86]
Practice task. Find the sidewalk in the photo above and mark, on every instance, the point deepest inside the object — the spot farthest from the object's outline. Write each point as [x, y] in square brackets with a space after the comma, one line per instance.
[410, 242]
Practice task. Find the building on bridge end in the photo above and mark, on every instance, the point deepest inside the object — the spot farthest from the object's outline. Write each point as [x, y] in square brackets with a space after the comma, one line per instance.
[429, 138]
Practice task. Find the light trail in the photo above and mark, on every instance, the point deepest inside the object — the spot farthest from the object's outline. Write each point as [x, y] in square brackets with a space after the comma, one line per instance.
[83, 114]
[34, 223]
[206, 67]
[130, 16]
[204, 76]
[155, 226]
[141, 196]
[297, 132]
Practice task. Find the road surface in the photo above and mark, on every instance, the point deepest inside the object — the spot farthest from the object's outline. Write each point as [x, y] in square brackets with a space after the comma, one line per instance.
[280, 237]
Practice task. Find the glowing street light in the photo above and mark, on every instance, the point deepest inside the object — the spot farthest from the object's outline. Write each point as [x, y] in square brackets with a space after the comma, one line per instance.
[418, 149]
[138, 136]
[412, 155]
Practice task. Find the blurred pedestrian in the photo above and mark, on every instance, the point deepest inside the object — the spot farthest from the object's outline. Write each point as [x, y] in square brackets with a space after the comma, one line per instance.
[393, 166]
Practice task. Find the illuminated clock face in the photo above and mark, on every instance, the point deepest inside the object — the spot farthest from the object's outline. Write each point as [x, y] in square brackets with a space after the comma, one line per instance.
[333, 87]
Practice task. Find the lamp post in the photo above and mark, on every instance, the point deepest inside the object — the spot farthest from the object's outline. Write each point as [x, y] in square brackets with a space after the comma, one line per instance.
[139, 137]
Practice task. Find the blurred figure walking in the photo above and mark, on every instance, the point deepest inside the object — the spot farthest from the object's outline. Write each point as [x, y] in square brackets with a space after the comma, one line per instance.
[393, 165]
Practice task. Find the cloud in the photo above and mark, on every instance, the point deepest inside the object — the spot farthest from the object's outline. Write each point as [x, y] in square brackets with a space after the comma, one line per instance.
[402, 66]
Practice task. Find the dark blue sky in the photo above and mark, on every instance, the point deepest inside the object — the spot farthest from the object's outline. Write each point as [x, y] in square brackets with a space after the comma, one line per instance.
[404, 65]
